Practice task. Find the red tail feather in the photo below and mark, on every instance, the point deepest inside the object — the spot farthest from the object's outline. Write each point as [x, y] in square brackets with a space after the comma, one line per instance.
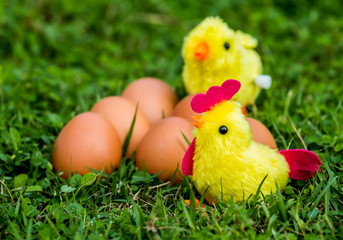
[303, 164]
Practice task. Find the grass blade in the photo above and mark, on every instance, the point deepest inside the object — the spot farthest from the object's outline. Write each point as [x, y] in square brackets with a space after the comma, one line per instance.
[320, 196]
[188, 217]
[186, 139]
[137, 212]
[14, 227]
[202, 198]
[129, 134]
[259, 189]
[281, 203]
[174, 175]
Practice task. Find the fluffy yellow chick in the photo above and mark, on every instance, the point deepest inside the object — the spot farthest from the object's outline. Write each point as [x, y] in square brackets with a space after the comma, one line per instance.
[212, 52]
[223, 158]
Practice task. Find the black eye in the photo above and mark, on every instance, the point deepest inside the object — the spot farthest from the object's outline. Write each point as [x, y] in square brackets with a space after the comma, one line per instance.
[226, 45]
[223, 130]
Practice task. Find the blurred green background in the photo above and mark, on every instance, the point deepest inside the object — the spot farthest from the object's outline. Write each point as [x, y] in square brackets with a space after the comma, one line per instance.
[57, 58]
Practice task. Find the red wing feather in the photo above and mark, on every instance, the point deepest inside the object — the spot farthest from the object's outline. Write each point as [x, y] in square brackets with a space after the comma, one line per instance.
[187, 162]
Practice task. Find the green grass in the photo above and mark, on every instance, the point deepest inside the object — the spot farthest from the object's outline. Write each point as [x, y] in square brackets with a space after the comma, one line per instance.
[58, 58]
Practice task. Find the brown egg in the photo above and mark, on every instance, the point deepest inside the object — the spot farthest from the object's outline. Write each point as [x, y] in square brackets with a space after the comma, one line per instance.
[163, 148]
[120, 113]
[87, 141]
[183, 109]
[261, 134]
[156, 98]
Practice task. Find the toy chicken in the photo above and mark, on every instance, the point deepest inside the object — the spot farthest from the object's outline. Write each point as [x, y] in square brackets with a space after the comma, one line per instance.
[212, 51]
[224, 161]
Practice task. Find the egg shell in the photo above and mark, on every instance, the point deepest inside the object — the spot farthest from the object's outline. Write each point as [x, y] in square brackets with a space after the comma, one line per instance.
[120, 112]
[261, 134]
[156, 98]
[163, 148]
[183, 108]
[87, 141]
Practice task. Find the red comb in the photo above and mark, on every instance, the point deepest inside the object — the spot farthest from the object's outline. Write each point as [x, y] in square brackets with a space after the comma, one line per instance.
[203, 102]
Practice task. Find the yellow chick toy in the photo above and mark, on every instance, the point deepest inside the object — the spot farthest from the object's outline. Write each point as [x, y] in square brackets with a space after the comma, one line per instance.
[223, 159]
[212, 51]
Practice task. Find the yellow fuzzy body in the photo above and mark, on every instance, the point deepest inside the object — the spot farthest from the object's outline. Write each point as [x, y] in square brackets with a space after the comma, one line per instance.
[232, 165]
[239, 62]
